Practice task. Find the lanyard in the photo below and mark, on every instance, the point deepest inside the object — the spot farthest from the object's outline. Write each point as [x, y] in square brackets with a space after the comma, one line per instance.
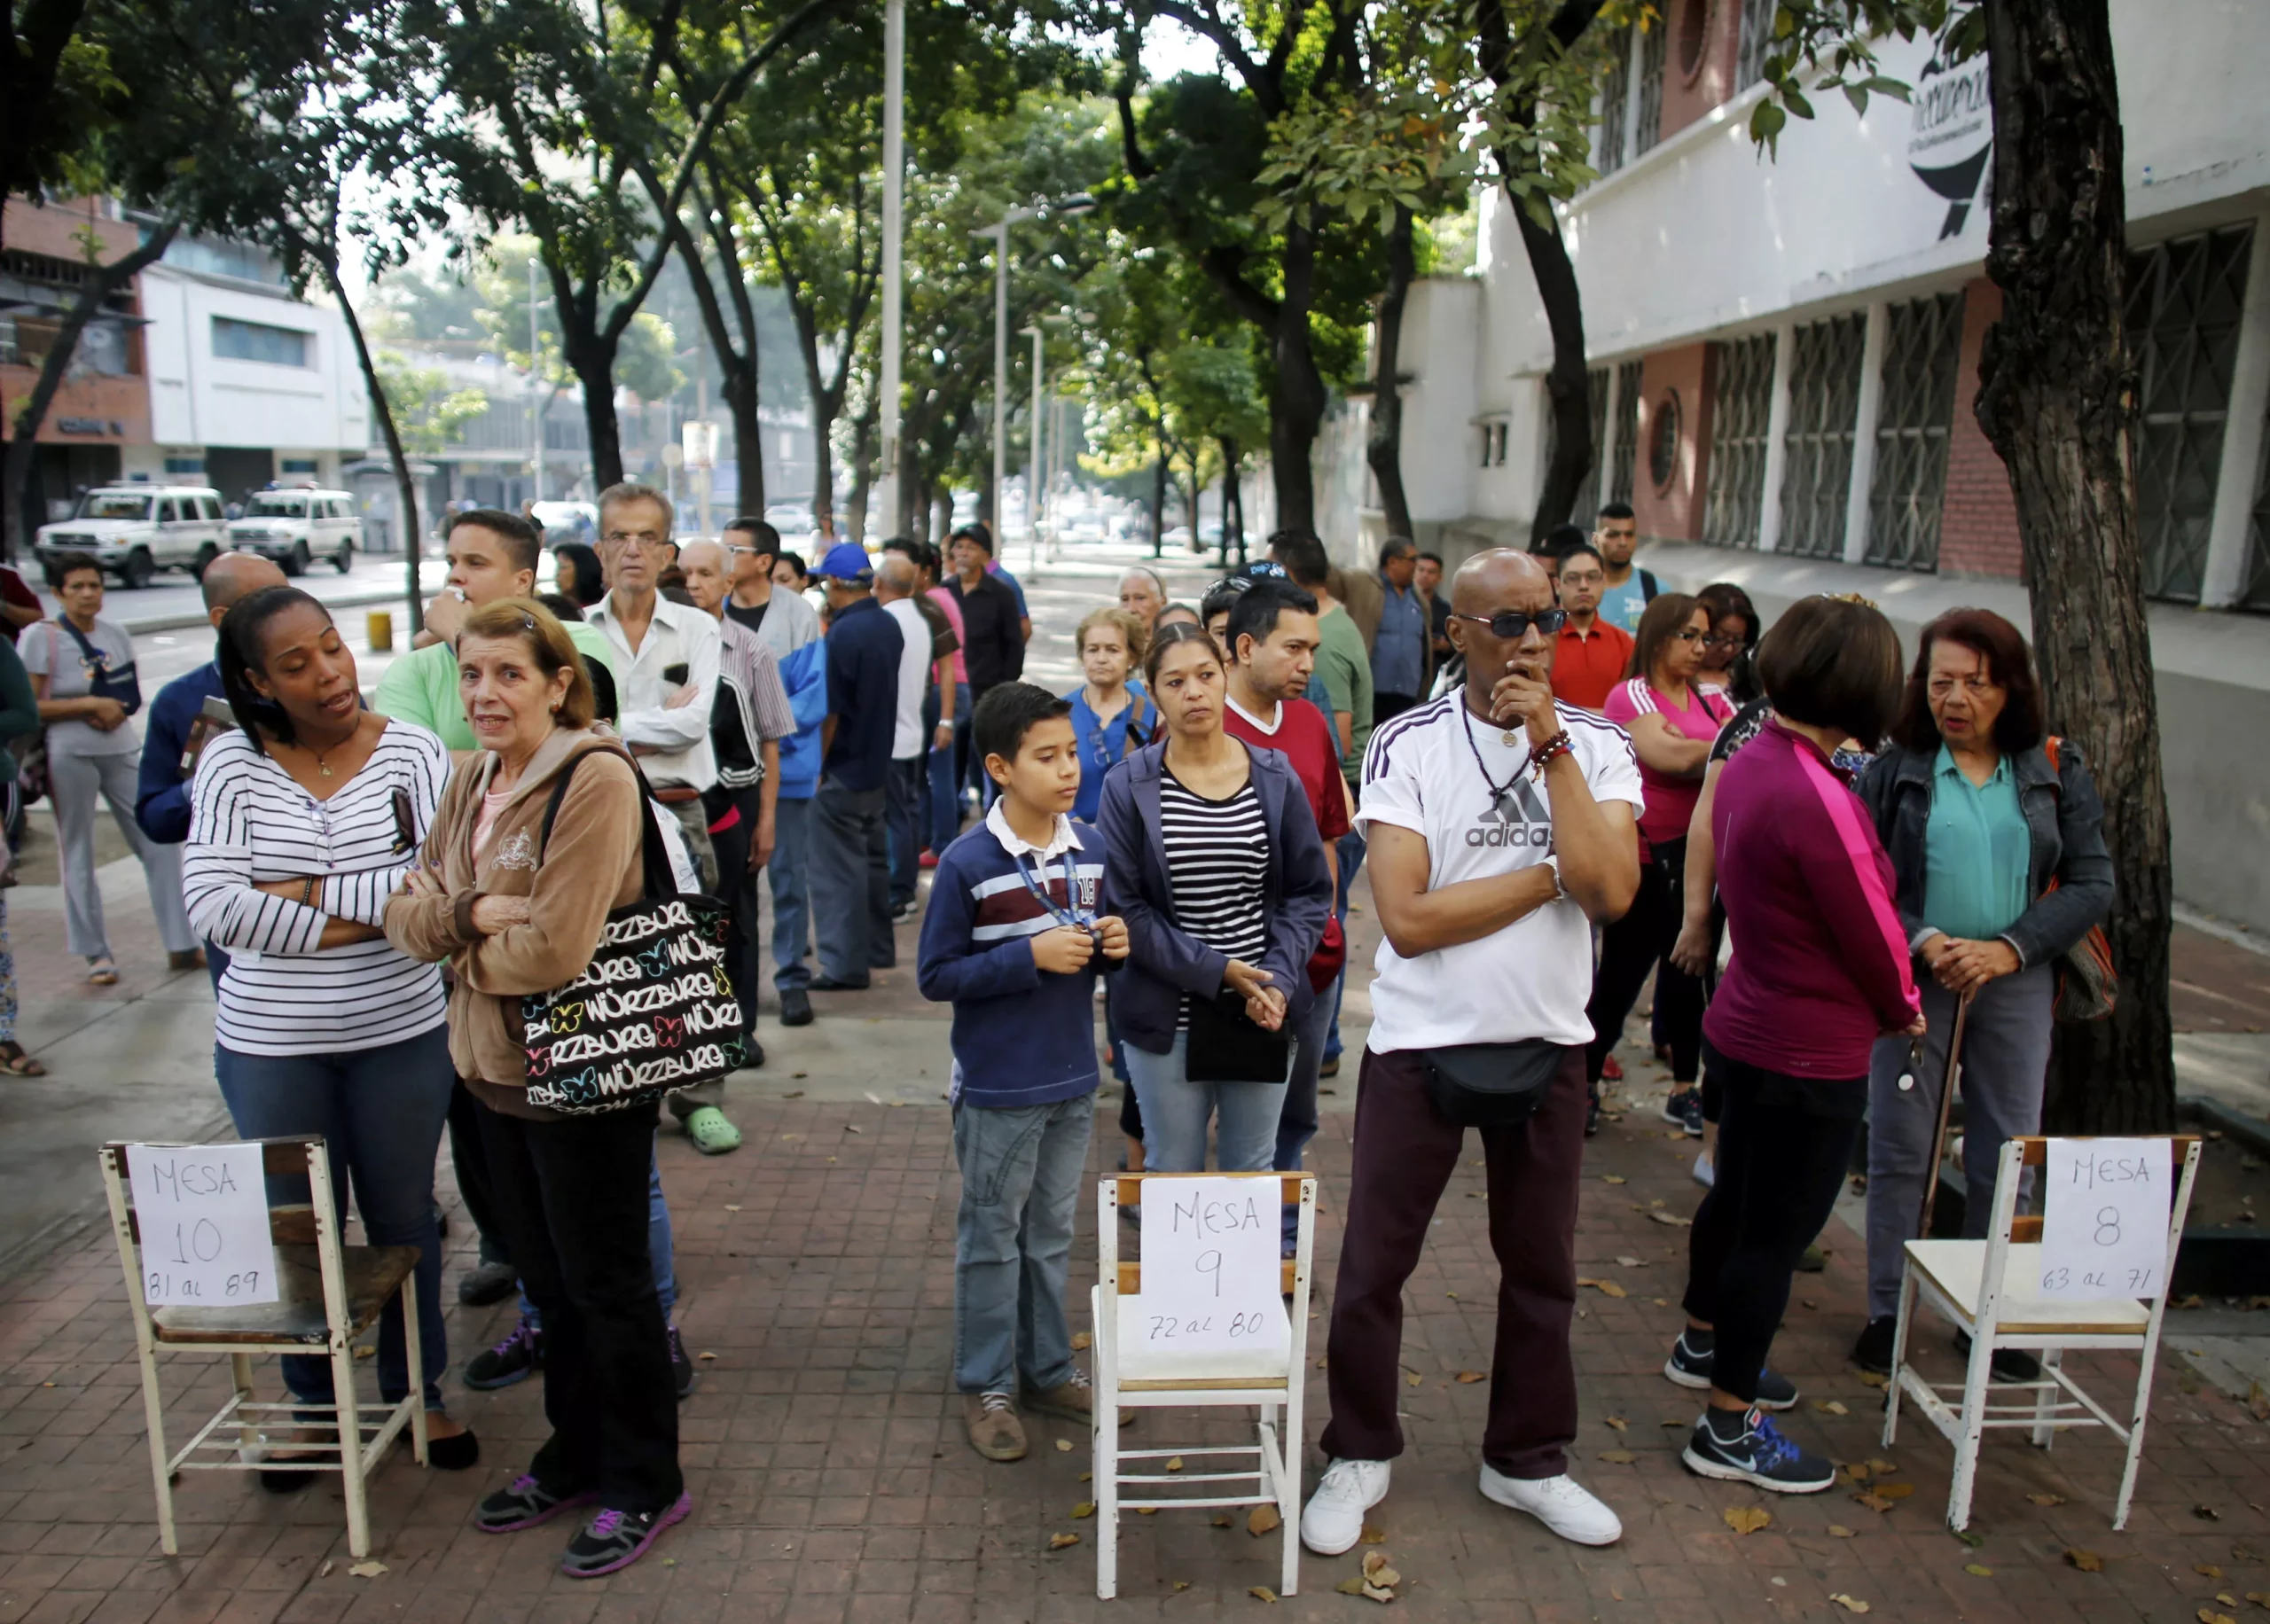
[1072, 914]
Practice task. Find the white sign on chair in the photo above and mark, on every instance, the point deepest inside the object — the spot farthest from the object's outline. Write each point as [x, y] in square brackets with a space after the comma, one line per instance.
[2104, 1218]
[1210, 1257]
[203, 1212]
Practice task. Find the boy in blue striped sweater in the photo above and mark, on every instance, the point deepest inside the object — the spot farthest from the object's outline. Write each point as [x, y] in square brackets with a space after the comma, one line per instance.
[1011, 940]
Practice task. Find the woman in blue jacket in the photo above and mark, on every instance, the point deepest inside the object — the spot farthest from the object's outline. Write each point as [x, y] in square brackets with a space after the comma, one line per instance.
[1213, 859]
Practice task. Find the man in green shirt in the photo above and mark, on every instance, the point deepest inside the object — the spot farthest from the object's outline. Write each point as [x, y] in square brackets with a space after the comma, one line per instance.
[492, 555]
[1342, 664]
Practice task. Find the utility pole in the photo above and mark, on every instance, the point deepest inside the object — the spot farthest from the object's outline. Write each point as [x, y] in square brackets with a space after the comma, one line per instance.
[535, 391]
[1036, 469]
[1078, 203]
[894, 237]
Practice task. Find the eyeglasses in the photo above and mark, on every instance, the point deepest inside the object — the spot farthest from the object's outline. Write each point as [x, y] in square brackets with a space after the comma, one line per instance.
[1687, 634]
[636, 538]
[1510, 625]
[1721, 640]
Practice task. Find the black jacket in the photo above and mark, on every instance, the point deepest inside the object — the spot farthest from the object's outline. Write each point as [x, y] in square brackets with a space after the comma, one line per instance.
[993, 643]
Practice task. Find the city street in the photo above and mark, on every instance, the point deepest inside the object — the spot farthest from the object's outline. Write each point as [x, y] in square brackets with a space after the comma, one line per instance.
[824, 1444]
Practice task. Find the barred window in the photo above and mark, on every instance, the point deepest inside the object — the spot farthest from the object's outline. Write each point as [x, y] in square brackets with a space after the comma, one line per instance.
[1627, 432]
[2184, 300]
[1824, 400]
[1756, 35]
[1615, 97]
[1744, 397]
[2254, 580]
[1650, 122]
[1923, 352]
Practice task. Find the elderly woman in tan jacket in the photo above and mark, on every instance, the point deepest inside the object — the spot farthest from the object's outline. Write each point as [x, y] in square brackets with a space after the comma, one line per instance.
[515, 910]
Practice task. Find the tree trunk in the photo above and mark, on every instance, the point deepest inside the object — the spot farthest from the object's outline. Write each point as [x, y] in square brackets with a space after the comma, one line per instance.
[23, 435]
[737, 363]
[405, 487]
[749, 433]
[1384, 447]
[827, 405]
[1296, 405]
[1159, 500]
[1232, 501]
[1565, 382]
[2057, 398]
[863, 471]
[591, 357]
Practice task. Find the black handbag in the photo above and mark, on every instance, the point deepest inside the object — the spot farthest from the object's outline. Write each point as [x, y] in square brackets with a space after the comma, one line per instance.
[1225, 1046]
[654, 1010]
[1493, 1085]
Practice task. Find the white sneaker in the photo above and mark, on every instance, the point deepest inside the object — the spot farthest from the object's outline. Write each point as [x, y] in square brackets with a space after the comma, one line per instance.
[1561, 1503]
[1704, 1173]
[1333, 1519]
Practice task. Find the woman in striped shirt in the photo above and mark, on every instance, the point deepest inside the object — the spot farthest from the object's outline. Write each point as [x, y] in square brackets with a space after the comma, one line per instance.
[303, 821]
[1215, 862]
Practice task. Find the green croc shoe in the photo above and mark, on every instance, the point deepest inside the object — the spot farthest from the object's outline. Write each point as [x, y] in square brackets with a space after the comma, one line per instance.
[712, 1133]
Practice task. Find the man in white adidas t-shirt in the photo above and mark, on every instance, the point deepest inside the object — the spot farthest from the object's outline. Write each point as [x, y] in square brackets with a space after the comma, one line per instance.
[1501, 826]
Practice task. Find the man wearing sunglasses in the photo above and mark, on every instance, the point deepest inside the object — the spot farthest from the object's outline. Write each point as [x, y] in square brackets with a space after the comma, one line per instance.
[1590, 655]
[1500, 825]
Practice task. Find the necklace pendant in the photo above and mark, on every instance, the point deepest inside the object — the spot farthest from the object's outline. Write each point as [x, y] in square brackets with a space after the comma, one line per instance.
[1510, 738]
[324, 767]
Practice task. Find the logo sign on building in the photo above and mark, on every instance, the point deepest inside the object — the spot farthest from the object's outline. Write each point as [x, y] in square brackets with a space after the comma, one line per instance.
[1952, 135]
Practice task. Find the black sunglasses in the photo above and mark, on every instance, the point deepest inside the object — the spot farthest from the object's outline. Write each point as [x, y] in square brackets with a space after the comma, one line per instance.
[1510, 625]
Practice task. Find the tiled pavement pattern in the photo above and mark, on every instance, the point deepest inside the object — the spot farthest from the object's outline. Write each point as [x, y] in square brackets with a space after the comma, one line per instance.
[824, 1449]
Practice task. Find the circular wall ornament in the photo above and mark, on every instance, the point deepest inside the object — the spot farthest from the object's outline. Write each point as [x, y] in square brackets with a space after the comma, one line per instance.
[1663, 439]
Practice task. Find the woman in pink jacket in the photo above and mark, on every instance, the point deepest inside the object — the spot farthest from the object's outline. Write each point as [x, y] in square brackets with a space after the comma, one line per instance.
[1819, 972]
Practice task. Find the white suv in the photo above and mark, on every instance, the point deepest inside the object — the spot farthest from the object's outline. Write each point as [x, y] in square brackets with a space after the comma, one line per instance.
[296, 526]
[134, 531]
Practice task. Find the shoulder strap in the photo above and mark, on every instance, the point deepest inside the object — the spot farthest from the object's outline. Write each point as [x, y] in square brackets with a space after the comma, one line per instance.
[653, 861]
[1648, 585]
[92, 655]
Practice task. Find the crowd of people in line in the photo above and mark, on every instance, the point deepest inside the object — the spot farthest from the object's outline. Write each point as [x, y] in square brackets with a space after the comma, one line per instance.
[1565, 781]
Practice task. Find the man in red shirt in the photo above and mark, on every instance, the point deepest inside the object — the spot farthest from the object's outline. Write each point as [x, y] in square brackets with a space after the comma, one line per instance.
[1271, 647]
[1593, 654]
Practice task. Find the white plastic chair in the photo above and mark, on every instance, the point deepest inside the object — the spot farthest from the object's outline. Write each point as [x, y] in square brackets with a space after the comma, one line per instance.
[1989, 1288]
[329, 1294]
[1129, 1373]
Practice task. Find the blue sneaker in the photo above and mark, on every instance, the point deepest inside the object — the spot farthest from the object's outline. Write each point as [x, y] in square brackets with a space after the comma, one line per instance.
[1690, 1364]
[1749, 1449]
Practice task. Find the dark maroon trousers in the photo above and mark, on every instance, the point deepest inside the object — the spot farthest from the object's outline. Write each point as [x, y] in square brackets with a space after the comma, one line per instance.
[1404, 1155]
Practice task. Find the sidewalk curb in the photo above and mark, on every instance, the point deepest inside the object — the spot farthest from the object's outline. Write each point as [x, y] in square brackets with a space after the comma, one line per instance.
[181, 620]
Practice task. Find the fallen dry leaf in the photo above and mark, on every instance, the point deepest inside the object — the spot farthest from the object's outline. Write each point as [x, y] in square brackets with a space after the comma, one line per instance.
[794, 1093]
[1618, 1457]
[1629, 1262]
[2208, 1615]
[1747, 1518]
[1467, 1378]
[324, 1571]
[2206, 1513]
[2260, 1599]
[1377, 1570]
[1355, 1586]
[1374, 1534]
[1609, 1288]
[1147, 1511]
[1087, 1477]
[1375, 1593]
[1175, 1463]
[1977, 1570]
[1895, 1491]
[367, 1570]
[731, 1208]
[1451, 1295]
[1182, 1584]
[1064, 1446]
[1085, 1510]
[1611, 1178]
[1883, 1468]
[2227, 1598]
[1831, 1406]
[1413, 1379]
[2047, 1499]
[710, 1356]
[1262, 1593]
[2087, 1561]
[1264, 1520]
[1876, 1502]
[1838, 1530]
[2206, 1570]
[1869, 1379]
[1672, 1219]
[1851, 1604]
[1617, 1421]
[1222, 1521]
[1062, 1542]
[853, 1127]
[1081, 1339]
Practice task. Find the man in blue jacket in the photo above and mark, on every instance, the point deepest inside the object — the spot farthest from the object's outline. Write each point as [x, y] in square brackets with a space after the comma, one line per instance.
[1012, 940]
[850, 843]
[176, 730]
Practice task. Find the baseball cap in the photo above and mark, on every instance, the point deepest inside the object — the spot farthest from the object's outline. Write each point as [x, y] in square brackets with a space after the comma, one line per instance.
[845, 561]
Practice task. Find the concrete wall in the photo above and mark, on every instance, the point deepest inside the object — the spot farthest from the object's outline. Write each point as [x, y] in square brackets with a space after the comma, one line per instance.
[1979, 530]
[1678, 381]
[198, 399]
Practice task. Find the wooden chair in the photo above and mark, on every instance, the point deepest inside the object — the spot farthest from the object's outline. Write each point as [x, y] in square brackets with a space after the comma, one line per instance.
[1989, 1290]
[329, 1294]
[1129, 1373]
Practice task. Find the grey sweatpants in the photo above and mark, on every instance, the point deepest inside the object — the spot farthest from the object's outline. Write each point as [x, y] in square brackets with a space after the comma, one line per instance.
[80, 784]
[2005, 1058]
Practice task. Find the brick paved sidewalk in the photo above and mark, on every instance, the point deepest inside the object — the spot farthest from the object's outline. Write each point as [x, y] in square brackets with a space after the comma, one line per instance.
[831, 1481]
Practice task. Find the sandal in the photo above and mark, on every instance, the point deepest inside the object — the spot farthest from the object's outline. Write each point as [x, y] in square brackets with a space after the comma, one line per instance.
[101, 972]
[16, 1063]
[712, 1133]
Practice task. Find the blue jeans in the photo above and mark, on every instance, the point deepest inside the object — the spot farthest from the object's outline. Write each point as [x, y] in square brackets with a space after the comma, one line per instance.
[945, 804]
[903, 817]
[661, 1250]
[1350, 847]
[1177, 1110]
[790, 873]
[1020, 1177]
[381, 1113]
[850, 882]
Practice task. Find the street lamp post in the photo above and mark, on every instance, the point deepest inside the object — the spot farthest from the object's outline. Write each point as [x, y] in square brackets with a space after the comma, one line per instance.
[535, 391]
[1078, 203]
[894, 235]
[1036, 476]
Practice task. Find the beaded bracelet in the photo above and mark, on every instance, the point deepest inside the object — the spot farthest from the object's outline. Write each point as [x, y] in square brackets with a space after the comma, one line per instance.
[1542, 757]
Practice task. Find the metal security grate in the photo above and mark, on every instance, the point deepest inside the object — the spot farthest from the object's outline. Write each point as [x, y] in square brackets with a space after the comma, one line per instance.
[1627, 432]
[1615, 100]
[1649, 127]
[2184, 300]
[1756, 34]
[1737, 466]
[1824, 400]
[1907, 495]
[2254, 582]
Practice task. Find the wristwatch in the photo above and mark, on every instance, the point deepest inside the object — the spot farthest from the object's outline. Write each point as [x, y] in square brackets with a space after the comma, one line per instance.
[1560, 890]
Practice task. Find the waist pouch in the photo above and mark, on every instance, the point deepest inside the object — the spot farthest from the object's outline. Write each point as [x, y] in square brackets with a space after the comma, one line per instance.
[1493, 1085]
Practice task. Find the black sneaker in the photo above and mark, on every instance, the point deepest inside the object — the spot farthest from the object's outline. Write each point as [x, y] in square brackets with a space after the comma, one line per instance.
[681, 1367]
[1690, 1364]
[486, 1282]
[615, 1540]
[1748, 1449]
[513, 1360]
[1683, 1108]
[523, 1504]
[795, 1007]
[1592, 1112]
[2009, 1364]
[751, 1054]
[1872, 1351]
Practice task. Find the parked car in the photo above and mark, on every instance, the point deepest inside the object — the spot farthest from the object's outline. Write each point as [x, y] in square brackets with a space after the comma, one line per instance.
[567, 521]
[134, 531]
[295, 527]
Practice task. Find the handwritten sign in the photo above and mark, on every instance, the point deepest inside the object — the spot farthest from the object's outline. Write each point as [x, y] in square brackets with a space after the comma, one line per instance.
[2105, 1216]
[203, 1211]
[1210, 1254]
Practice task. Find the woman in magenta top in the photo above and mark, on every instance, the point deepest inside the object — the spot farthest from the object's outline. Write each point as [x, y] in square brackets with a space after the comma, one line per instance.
[1673, 723]
[1819, 972]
